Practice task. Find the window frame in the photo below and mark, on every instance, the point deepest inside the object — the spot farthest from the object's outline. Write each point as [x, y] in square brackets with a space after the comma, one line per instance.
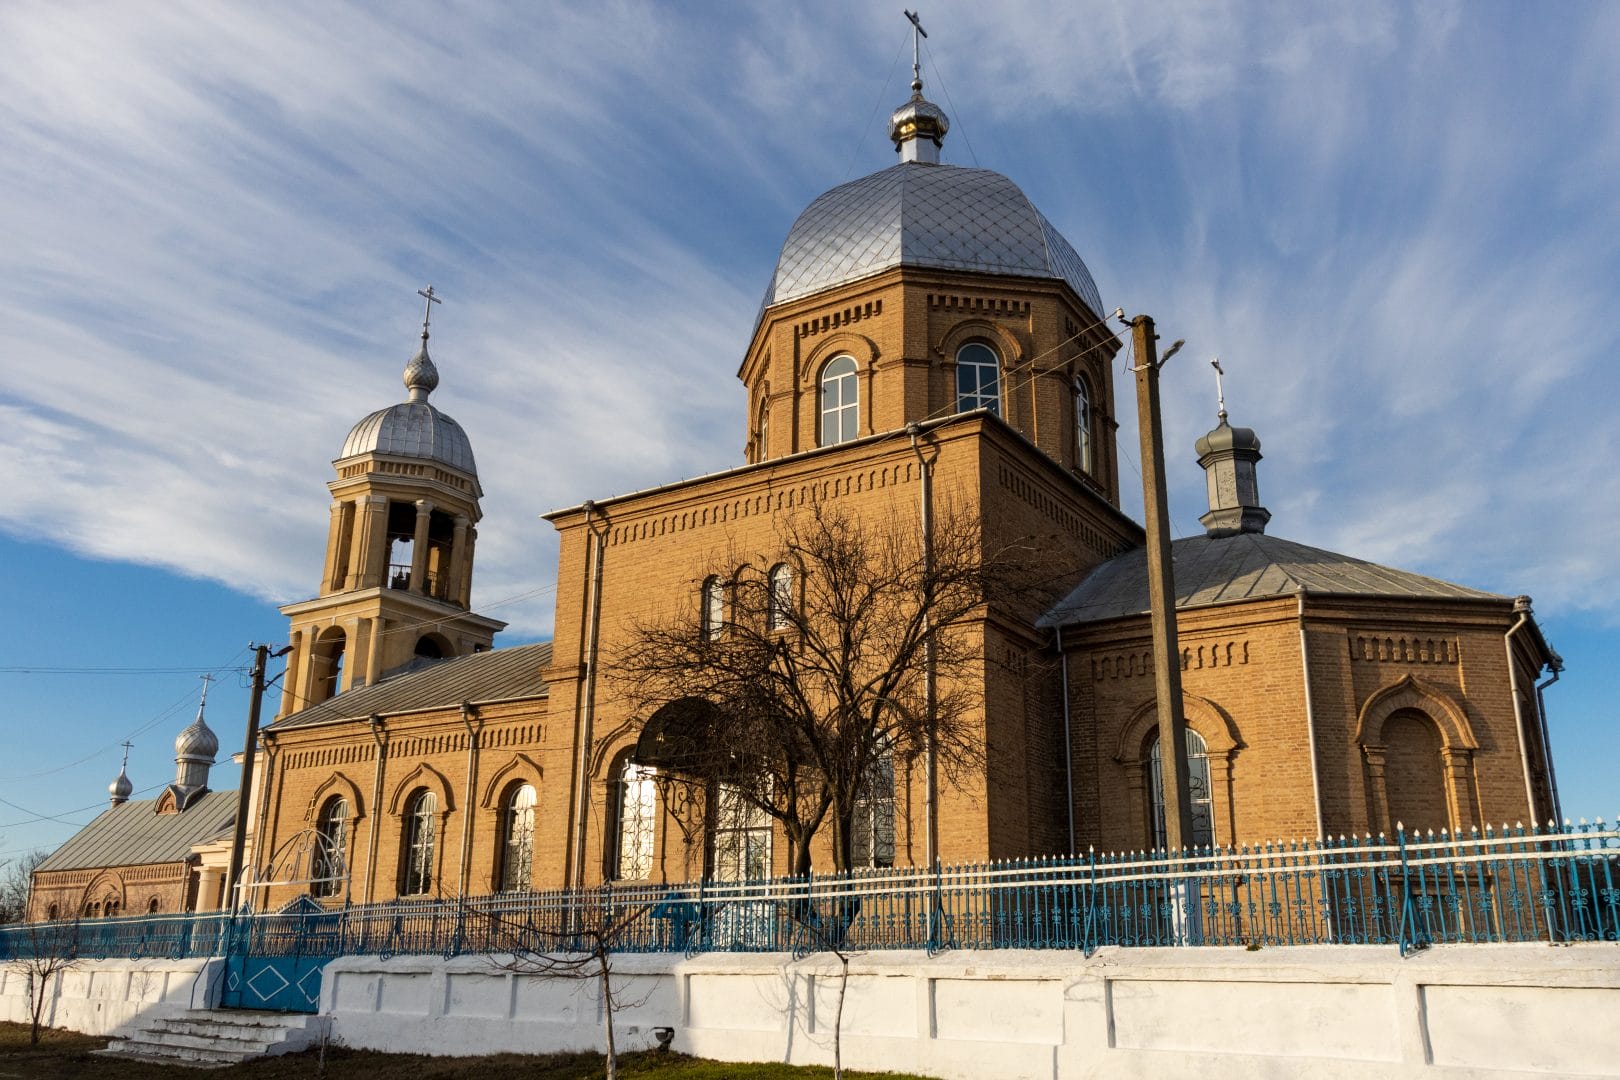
[874, 809]
[1198, 779]
[322, 869]
[712, 599]
[419, 844]
[741, 837]
[839, 383]
[517, 852]
[977, 396]
[779, 598]
[1085, 451]
[632, 834]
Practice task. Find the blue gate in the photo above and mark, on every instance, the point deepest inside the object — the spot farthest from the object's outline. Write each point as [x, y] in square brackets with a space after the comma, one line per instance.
[274, 962]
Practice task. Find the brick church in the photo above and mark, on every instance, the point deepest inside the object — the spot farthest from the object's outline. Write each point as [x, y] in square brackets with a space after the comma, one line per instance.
[926, 338]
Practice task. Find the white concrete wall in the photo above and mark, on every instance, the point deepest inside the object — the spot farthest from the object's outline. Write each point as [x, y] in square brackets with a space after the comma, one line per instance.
[1454, 1012]
[100, 997]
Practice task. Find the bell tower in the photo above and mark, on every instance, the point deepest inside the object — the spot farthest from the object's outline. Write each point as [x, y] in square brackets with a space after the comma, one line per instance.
[397, 579]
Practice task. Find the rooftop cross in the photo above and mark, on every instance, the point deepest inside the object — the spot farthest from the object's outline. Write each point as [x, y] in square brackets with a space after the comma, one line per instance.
[128, 746]
[1220, 394]
[427, 308]
[917, 34]
[206, 679]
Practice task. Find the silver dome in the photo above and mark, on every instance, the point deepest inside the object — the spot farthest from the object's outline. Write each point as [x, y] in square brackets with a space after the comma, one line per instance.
[916, 214]
[122, 787]
[414, 428]
[197, 741]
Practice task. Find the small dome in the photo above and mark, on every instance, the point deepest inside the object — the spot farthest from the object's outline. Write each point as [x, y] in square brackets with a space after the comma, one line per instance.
[1227, 437]
[122, 787]
[918, 117]
[916, 214]
[413, 428]
[197, 741]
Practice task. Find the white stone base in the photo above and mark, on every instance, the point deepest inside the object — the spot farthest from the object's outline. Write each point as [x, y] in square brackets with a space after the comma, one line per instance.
[1453, 1011]
[104, 997]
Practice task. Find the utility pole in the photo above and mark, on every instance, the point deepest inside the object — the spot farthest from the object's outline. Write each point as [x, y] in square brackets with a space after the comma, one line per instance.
[1161, 588]
[261, 656]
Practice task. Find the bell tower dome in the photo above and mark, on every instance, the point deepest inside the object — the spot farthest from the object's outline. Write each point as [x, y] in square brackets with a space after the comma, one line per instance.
[397, 580]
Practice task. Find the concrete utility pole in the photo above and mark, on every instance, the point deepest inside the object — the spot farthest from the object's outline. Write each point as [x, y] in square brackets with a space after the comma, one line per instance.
[1161, 588]
[261, 656]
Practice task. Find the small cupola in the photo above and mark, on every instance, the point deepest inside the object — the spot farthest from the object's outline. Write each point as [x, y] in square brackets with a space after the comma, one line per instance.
[918, 127]
[122, 787]
[194, 750]
[1228, 455]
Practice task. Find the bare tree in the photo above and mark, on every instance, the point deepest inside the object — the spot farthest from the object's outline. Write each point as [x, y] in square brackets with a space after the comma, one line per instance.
[16, 877]
[42, 950]
[573, 942]
[851, 640]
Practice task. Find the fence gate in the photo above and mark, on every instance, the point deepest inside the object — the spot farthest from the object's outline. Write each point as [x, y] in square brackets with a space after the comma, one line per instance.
[274, 961]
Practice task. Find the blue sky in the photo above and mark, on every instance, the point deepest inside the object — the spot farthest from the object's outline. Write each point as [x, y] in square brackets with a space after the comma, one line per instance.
[1398, 227]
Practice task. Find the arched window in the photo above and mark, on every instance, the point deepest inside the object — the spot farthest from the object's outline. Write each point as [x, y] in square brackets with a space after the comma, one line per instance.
[517, 839]
[332, 831]
[762, 447]
[872, 828]
[714, 608]
[329, 650]
[978, 378]
[152, 906]
[780, 615]
[741, 837]
[1198, 791]
[632, 806]
[113, 907]
[52, 913]
[840, 401]
[416, 856]
[1082, 424]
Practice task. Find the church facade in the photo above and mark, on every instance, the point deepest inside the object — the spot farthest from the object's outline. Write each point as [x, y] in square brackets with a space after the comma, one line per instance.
[927, 340]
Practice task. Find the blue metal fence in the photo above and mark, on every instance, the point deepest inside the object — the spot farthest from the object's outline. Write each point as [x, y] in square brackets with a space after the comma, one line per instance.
[1555, 884]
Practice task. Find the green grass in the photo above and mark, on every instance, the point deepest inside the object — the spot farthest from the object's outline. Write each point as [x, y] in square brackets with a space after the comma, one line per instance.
[64, 1055]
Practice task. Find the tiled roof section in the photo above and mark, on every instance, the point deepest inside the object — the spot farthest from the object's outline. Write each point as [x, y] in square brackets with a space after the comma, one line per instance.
[132, 834]
[1247, 566]
[496, 675]
[916, 214]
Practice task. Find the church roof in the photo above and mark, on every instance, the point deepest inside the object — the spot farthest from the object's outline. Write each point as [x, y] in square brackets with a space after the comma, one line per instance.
[494, 675]
[1246, 566]
[133, 834]
[919, 214]
[412, 429]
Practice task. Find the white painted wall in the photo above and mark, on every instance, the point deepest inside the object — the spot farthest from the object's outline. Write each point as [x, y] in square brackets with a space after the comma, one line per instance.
[1328, 1011]
[1452, 1012]
[99, 997]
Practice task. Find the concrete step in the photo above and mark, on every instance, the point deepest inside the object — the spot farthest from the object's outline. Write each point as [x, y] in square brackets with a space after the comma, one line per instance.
[210, 1039]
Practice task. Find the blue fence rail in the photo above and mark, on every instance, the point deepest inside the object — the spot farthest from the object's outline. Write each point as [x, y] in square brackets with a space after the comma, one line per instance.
[1554, 884]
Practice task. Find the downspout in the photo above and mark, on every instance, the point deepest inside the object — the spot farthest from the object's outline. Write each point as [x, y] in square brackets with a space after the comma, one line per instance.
[1546, 737]
[593, 600]
[379, 735]
[1068, 741]
[474, 725]
[930, 749]
[1310, 714]
[1521, 607]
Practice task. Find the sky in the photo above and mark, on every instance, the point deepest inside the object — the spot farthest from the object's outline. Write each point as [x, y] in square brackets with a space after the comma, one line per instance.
[1398, 227]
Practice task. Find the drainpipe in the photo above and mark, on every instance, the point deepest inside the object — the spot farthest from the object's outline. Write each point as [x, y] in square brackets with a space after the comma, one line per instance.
[1068, 741]
[930, 749]
[1546, 737]
[379, 735]
[587, 707]
[1310, 715]
[1521, 607]
[474, 725]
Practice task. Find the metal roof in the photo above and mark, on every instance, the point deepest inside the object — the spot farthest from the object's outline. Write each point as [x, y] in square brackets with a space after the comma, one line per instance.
[412, 429]
[920, 214]
[132, 834]
[495, 675]
[1247, 566]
